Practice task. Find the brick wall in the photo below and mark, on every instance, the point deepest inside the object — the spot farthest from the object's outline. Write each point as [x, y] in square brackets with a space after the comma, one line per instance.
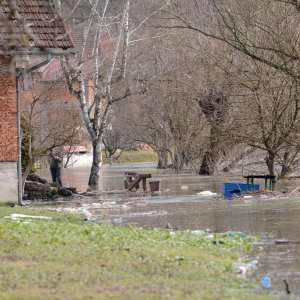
[8, 115]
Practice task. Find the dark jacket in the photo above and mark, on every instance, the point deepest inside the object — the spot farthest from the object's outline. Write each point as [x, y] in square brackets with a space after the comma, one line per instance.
[55, 159]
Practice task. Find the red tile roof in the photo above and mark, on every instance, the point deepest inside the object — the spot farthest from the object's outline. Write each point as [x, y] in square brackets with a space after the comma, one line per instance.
[75, 149]
[44, 27]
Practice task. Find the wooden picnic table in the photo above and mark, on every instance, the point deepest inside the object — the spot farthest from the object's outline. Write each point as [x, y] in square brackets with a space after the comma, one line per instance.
[267, 178]
[134, 180]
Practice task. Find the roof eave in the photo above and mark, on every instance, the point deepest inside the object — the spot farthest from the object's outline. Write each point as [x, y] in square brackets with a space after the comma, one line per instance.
[66, 28]
[38, 51]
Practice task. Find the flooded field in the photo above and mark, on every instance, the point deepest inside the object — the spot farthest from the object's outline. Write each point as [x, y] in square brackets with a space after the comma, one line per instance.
[178, 204]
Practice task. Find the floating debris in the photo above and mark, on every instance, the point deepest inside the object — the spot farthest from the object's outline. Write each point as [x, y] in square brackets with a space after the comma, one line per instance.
[168, 226]
[234, 234]
[283, 241]
[92, 205]
[91, 220]
[85, 212]
[287, 288]
[242, 269]
[117, 221]
[207, 193]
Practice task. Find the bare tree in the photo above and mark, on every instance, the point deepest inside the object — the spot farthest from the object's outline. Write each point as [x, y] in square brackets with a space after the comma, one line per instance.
[262, 30]
[260, 36]
[45, 124]
[273, 124]
[107, 74]
[95, 112]
[117, 136]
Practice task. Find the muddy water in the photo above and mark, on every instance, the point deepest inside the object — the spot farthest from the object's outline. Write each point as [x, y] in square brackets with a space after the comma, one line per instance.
[179, 205]
[268, 219]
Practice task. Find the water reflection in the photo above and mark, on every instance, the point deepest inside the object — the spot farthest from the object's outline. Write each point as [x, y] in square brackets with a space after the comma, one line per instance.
[270, 219]
[172, 184]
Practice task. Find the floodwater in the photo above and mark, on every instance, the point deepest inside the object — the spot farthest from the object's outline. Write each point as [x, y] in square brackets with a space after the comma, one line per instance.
[179, 205]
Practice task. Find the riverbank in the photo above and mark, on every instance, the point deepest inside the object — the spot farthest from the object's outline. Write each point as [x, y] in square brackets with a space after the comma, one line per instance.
[67, 258]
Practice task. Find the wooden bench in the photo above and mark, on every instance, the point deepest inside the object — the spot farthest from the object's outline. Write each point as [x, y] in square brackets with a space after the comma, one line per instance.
[134, 179]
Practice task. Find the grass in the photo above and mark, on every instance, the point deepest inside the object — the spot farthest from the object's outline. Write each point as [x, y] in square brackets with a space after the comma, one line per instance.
[132, 156]
[65, 258]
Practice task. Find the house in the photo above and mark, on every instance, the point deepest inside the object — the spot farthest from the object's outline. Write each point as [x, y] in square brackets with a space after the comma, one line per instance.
[28, 28]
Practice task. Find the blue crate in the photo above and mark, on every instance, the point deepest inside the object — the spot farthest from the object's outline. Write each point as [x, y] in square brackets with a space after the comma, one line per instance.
[232, 189]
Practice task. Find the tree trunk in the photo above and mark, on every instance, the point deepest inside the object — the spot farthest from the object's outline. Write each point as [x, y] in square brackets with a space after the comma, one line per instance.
[177, 162]
[286, 170]
[210, 160]
[162, 159]
[96, 165]
[208, 166]
[109, 155]
[270, 161]
[26, 172]
[111, 159]
[215, 107]
[286, 165]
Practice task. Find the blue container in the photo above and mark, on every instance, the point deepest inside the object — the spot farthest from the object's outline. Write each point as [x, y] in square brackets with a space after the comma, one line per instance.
[266, 282]
[232, 189]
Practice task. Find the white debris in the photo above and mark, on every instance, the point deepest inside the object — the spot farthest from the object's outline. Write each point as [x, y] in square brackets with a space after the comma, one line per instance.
[65, 209]
[117, 221]
[20, 216]
[242, 269]
[198, 232]
[206, 193]
[72, 210]
[85, 212]
[184, 187]
[91, 205]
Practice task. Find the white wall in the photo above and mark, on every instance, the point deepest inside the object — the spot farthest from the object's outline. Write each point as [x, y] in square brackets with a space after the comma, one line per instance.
[8, 182]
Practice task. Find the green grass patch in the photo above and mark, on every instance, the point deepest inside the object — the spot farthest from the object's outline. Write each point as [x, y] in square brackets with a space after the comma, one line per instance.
[65, 258]
[132, 156]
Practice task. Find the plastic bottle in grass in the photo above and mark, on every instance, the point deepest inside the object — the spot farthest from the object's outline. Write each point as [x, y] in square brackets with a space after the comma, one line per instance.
[265, 282]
